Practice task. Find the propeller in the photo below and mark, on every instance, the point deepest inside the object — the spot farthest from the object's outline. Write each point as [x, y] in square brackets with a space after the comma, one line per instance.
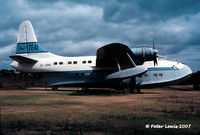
[155, 54]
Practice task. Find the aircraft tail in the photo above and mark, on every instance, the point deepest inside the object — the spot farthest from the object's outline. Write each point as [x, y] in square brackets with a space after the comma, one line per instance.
[27, 41]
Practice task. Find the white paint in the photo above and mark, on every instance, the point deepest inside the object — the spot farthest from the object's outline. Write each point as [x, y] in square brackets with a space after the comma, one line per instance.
[46, 63]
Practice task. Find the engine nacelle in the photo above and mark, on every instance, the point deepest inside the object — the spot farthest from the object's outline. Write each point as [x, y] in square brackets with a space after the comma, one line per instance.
[142, 54]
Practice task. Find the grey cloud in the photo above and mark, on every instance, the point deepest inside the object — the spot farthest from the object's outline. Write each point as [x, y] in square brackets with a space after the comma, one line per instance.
[189, 56]
[149, 10]
[4, 53]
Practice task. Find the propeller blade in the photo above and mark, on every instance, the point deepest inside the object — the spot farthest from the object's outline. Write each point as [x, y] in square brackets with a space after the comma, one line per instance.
[155, 52]
[155, 59]
[153, 45]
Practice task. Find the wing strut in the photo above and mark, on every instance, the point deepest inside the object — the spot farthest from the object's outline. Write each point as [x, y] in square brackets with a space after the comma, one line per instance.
[126, 73]
[119, 68]
[131, 60]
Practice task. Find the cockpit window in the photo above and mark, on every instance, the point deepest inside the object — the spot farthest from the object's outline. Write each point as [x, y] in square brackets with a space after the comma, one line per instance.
[175, 67]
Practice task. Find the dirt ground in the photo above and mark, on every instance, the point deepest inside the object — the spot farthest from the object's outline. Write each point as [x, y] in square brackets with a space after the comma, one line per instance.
[71, 111]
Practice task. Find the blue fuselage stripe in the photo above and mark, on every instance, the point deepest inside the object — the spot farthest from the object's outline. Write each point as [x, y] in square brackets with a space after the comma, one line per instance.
[163, 68]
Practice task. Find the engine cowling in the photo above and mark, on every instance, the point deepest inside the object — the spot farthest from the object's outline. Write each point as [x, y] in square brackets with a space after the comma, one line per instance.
[142, 54]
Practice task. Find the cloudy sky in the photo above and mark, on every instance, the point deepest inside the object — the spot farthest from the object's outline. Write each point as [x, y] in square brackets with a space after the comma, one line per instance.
[80, 27]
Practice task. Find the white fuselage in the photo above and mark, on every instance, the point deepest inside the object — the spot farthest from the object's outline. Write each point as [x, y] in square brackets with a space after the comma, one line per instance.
[48, 62]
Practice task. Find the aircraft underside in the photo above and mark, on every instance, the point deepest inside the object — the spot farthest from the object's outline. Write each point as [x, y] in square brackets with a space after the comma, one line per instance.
[96, 79]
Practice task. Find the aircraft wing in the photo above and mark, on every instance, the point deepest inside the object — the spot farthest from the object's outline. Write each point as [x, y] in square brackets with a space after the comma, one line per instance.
[127, 73]
[120, 58]
[23, 60]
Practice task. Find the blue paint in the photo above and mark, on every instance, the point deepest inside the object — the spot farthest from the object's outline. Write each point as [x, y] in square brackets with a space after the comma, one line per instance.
[161, 68]
[75, 77]
[80, 71]
[33, 47]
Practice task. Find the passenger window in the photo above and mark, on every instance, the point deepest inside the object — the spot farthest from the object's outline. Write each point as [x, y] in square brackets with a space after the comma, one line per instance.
[47, 64]
[69, 62]
[75, 62]
[84, 62]
[160, 74]
[60, 63]
[145, 75]
[89, 61]
[155, 75]
[76, 74]
[82, 74]
[55, 63]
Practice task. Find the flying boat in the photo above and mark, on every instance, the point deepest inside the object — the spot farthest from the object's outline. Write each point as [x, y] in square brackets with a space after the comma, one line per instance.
[114, 66]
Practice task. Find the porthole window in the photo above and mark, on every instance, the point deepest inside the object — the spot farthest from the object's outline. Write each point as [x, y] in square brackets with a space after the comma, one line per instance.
[60, 63]
[89, 61]
[55, 63]
[155, 75]
[145, 75]
[75, 62]
[84, 62]
[69, 62]
[160, 74]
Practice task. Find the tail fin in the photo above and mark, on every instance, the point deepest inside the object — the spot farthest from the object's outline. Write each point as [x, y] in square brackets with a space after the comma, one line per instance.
[27, 41]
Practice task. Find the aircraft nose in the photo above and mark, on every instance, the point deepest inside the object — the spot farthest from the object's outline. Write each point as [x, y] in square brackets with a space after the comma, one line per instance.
[186, 71]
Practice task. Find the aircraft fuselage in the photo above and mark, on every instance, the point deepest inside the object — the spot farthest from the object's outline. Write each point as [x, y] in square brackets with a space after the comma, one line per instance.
[82, 71]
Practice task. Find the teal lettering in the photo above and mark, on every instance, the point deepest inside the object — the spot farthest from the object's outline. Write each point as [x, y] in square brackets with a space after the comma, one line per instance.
[30, 47]
[35, 47]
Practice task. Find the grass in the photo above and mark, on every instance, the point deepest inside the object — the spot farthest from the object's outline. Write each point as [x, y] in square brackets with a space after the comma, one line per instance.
[36, 111]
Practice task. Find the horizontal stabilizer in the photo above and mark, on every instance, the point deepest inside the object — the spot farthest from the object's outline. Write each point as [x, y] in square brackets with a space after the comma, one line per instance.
[127, 73]
[23, 60]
